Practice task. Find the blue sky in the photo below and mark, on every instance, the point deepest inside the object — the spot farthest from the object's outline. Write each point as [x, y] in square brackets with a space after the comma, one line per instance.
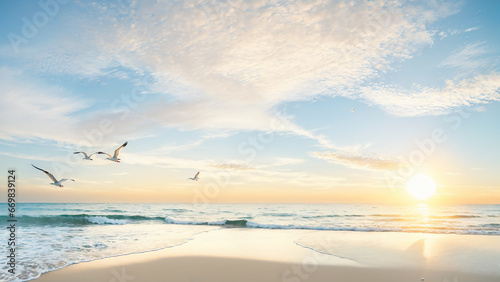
[258, 93]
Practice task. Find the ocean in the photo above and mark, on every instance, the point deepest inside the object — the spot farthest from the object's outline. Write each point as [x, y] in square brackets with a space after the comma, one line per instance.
[52, 236]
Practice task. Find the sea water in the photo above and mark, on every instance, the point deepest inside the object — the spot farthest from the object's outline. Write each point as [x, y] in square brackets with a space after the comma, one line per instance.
[51, 236]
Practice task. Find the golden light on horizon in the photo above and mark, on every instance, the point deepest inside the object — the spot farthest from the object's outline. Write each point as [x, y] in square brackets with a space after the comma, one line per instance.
[421, 187]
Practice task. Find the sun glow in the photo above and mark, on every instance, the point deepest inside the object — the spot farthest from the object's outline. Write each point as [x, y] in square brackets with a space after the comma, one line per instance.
[421, 187]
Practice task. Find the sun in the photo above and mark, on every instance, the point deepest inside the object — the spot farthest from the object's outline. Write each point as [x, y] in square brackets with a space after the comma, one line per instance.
[421, 187]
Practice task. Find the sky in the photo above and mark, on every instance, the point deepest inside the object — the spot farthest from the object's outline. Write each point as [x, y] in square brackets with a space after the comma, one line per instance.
[272, 101]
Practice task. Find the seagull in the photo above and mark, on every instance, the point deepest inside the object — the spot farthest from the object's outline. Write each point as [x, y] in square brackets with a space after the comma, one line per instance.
[87, 157]
[114, 158]
[195, 177]
[352, 110]
[56, 183]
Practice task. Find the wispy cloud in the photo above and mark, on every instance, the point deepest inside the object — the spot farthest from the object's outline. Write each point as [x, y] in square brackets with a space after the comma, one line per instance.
[287, 161]
[472, 29]
[232, 166]
[435, 101]
[445, 33]
[359, 160]
[451, 32]
[173, 147]
[33, 157]
[37, 110]
[480, 109]
[467, 57]
[162, 160]
[266, 175]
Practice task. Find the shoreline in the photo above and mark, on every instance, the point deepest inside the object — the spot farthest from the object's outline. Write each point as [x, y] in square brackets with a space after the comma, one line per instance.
[270, 255]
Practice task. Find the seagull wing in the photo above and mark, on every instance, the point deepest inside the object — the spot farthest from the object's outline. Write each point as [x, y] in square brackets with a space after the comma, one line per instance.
[46, 172]
[102, 153]
[117, 151]
[64, 179]
[196, 176]
[85, 154]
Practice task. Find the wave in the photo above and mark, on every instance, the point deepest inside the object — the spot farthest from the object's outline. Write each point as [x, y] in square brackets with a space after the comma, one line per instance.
[393, 225]
[456, 216]
[334, 215]
[177, 210]
[186, 222]
[493, 229]
[225, 222]
[250, 224]
[491, 225]
[80, 219]
[105, 220]
[431, 216]
[113, 210]
[279, 214]
[331, 228]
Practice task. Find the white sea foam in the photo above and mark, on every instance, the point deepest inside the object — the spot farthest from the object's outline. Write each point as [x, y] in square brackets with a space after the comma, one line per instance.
[331, 228]
[187, 222]
[46, 249]
[105, 220]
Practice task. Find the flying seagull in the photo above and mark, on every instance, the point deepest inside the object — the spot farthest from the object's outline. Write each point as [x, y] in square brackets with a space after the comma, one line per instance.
[87, 157]
[352, 110]
[195, 177]
[56, 182]
[114, 158]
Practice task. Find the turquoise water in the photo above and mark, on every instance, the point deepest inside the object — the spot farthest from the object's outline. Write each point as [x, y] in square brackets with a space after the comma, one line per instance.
[51, 236]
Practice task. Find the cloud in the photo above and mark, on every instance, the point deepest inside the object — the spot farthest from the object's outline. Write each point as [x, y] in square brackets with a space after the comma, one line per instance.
[232, 166]
[152, 158]
[230, 65]
[287, 161]
[31, 109]
[286, 178]
[480, 89]
[263, 45]
[359, 160]
[33, 157]
[472, 29]
[467, 57]
[480, 109]
[310, 181]
[188, 146]
[227, 65]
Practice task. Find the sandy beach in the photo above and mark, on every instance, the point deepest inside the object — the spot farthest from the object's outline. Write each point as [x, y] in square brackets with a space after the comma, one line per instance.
[233, 254]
